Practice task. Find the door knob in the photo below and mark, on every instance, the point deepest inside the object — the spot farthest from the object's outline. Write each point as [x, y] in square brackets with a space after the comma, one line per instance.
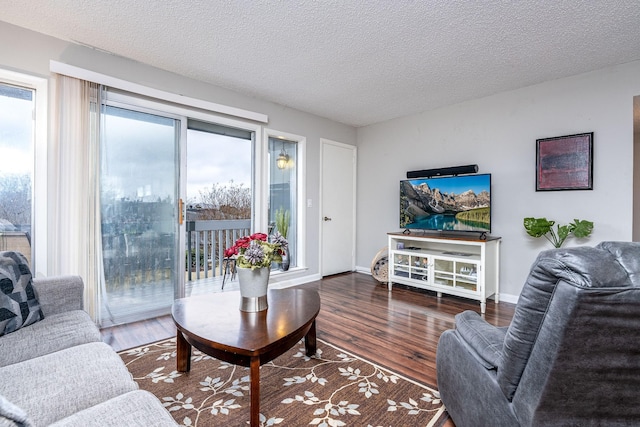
[326, 218]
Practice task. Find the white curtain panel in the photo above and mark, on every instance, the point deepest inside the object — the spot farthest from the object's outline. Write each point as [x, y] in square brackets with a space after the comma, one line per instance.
[75, 245]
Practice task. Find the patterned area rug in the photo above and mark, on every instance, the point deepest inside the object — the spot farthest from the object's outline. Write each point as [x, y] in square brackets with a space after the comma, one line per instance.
[333, 388]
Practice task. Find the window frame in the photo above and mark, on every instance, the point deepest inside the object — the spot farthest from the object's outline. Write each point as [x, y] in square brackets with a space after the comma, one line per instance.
[301, 141]
[124, 99]
[261, 164]
[39, 205]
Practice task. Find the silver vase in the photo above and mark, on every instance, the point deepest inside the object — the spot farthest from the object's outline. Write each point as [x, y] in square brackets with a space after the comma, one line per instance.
[286, 260]
[253, 288]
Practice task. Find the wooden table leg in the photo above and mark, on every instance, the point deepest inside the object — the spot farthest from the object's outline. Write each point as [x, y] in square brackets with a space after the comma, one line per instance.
[255, 391]
[310, 340]
[183, 353]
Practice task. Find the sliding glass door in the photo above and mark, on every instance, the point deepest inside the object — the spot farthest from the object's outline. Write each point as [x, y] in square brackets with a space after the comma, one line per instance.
[156, 248]
[139, 209]
[219, 195]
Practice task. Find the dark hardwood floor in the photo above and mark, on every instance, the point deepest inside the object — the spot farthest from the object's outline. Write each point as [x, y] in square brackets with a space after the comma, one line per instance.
[398, 330]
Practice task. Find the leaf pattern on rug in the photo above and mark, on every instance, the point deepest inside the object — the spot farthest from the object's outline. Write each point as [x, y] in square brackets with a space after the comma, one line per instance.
[330, 389]
[330, 412]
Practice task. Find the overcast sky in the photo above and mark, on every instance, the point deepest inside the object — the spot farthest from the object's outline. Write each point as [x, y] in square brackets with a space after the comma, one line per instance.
[15, 136]
[216, 159]
[139, 157]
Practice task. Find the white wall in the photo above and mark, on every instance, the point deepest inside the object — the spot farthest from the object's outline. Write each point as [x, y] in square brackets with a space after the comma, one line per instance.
[499, 134]
[29, 52]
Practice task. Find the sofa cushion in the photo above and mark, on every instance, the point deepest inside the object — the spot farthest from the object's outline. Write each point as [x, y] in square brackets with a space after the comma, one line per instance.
[12, 415]
[60, 384]
[53, 333]
[19, 305]
[136, 408]
[59, 294]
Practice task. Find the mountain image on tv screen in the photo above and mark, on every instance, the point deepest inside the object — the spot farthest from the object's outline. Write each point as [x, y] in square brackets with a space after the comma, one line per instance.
[454, 203]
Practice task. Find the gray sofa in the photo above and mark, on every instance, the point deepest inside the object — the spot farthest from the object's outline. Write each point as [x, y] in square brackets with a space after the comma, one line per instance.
[571, 355]
[58, 372]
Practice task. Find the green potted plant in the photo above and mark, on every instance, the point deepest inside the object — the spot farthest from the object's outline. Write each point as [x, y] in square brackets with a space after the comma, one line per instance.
[283, 217]
[539, 227]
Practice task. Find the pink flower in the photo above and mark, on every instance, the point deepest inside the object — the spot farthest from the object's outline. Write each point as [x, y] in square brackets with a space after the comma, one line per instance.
[231, 252]
[243, 242]
[258, 236]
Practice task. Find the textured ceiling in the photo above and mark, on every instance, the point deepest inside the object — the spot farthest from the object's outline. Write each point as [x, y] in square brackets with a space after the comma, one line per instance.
[356, 62]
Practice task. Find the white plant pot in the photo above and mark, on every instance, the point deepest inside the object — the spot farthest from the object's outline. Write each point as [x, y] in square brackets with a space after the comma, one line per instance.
[253, 288]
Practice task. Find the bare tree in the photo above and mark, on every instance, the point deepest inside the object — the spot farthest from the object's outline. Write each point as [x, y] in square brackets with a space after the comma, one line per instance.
[15, 199]
[228, 201]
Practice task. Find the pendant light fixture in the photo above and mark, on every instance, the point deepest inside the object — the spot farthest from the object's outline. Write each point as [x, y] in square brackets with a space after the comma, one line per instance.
[283, 158]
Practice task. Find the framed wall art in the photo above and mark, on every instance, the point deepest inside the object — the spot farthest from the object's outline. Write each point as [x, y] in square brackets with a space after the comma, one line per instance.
[565, 163]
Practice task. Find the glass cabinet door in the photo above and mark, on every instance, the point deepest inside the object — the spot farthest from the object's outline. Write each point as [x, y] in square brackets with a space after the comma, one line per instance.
[411, 266]
[443, 272]
[420, 267]
[401, 265]
[467, 275]
[456, 274]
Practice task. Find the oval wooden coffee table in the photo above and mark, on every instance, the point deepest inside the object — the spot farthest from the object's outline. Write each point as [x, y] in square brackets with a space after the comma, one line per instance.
[214, 324]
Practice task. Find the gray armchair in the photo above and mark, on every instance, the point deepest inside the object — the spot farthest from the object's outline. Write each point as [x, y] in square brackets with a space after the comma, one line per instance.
[571, 355]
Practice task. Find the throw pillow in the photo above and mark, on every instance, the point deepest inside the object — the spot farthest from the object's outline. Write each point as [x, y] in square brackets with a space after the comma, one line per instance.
[19, 305]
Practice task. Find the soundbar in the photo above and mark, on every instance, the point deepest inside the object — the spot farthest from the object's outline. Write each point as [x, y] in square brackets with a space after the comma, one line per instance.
[453, 170]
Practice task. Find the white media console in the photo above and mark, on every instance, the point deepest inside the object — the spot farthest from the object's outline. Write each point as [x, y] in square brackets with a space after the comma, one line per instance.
[460, 266]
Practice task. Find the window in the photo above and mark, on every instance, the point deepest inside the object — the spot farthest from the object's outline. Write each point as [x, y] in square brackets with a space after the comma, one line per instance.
[285, 190]
[219, 178]
[22, 143]
[219, 203]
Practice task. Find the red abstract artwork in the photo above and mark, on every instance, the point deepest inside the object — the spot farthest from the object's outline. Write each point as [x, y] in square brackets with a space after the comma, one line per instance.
[565, 163]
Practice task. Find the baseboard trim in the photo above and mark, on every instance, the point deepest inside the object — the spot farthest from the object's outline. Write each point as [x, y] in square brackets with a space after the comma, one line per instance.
[365, 270]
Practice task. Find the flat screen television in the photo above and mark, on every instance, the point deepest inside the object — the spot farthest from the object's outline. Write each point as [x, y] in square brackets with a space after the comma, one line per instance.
[451, 203]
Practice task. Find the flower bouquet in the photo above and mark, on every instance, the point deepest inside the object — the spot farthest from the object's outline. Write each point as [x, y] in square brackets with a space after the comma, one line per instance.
[256, 251]
[254, 255]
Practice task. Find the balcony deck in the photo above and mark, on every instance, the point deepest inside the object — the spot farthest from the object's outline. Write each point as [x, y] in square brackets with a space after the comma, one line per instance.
[138, 272]
[124, 304]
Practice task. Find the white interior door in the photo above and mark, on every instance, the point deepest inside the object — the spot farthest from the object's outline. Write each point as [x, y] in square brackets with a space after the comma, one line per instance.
[338, 207]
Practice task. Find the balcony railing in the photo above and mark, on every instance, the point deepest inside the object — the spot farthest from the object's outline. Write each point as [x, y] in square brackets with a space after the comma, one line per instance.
[133, 260]
[18, 241]
[206, 243]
